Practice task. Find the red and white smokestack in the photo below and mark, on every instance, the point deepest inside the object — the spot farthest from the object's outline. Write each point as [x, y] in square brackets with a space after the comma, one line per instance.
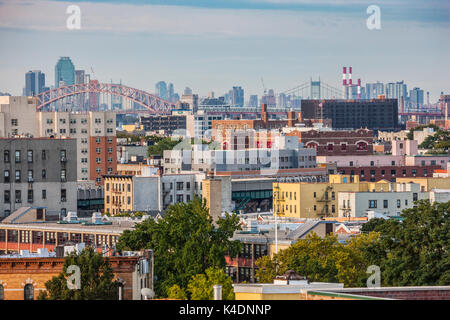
[350, 76]
[359, 89]
[344, 81]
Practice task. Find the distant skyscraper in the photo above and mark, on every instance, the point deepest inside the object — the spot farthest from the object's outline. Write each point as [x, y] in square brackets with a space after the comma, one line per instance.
[282, 101]
[79, 76]
[373, 90]
[253, 101]
[416, 98]
[64, 72]
[34, 83]
[237, 97]
[187, 90]
[161, 90]
[269, 99]
[171, 92]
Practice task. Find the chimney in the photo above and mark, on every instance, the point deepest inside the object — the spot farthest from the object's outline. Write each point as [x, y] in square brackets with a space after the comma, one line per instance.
[344, 82]
[264, 112]
[291, 118]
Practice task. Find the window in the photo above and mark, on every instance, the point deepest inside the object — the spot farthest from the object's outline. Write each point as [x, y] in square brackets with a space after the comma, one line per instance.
[30, 156]
[98, 160]
[372, 203]
[314, 194]
[30, 175]
[63, 195]
[14, 122]
[28, 292]
[30, 196]
[6, 175]
[63, 155]
[97, 140]
[179, 198]
[2, 292]
[63, 175]
[18, 198]
[44, 155]
[44, 194]
[98, 150]
[406, 202]
[179, 185]
[415, 196]
[385, 204]
[7, 196]
[393, 163]
[398, 203]
[17, 156]
[44, 174]
[110, 150]
[110, 160]
[6, 156]
[17, 175]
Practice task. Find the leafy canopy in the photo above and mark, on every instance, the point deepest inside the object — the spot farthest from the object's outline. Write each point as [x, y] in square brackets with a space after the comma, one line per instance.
[97, 279]
[185, 243]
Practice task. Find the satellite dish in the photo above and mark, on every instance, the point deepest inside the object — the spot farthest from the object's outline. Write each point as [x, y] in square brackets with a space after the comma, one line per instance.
[147, 293]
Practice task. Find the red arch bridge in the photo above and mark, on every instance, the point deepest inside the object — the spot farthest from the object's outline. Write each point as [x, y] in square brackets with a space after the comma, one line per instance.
[89, 96]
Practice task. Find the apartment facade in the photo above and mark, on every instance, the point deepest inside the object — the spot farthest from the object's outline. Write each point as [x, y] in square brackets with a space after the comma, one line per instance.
[92, 130]
[317, 200]
[38, 172]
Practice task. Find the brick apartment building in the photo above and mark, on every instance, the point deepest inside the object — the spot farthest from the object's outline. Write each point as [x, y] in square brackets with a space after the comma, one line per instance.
[355, 142]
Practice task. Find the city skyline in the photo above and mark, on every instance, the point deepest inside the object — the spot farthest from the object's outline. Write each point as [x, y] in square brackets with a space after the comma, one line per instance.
[207, 53]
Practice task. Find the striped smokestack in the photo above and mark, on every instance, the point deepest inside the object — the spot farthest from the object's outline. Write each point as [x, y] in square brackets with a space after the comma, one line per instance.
[344, 82]
[350, 76]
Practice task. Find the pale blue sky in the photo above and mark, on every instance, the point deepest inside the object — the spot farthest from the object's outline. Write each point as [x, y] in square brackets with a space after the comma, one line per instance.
[213, 45]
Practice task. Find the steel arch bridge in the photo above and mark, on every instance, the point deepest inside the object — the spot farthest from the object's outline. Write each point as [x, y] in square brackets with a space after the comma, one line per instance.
[150, 102]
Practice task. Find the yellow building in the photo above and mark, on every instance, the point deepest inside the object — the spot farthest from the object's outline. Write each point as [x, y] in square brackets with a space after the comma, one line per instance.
[427, 184]
[316, 200]
[118, 193]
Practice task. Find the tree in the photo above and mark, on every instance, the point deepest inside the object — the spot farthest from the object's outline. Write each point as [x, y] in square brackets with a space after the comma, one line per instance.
[440, 140]
[185, 243]
[177, 293]
[162, 144]
[200, 286]
[96, 279]
[321, 259]
[410, 134]
[415, 251]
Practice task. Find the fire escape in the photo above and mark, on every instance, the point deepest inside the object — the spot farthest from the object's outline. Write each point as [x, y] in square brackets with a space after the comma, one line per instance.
[325, 199]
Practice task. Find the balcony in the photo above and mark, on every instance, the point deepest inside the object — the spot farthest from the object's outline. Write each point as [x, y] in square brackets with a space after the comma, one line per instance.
[63, 159]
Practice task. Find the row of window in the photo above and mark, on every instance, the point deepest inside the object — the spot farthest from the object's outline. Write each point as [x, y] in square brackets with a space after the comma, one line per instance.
[30, 175]
[30, 155]
[30, 196]
[373, 204]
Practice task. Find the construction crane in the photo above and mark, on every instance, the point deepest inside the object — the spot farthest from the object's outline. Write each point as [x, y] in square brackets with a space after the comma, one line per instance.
[264, 87]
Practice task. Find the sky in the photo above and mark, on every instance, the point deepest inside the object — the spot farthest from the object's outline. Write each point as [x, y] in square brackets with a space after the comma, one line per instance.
[212, 45]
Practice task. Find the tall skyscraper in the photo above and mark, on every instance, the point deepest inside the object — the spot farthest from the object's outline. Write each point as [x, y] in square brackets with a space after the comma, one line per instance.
[79, 76]
[237, 97]
[282, 101]
[64, 72]
[161, 90]
[416, 98]
[373, 90]
[170, 92]
[34, 82]
[253, 101]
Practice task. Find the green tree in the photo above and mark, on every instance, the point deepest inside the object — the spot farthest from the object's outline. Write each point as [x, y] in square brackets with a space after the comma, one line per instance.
[200, 286]
[162, 144]
[440, 140]
[96, 279]
[410, 134]
[185, 243]
[177, 293]
[321, 259]
[415, 251]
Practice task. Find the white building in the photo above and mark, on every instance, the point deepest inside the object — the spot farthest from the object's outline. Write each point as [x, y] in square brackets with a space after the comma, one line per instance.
[388, 203]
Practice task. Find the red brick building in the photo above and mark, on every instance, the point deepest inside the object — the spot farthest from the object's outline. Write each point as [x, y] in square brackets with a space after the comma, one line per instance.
[327, 143]
[390, 173]
[103, 157]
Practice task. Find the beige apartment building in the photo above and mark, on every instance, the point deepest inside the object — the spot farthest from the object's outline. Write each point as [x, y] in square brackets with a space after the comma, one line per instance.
[95, 133]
